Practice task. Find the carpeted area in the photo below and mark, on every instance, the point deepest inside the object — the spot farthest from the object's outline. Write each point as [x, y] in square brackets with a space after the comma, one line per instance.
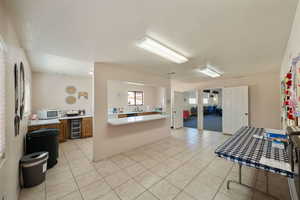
[212, 122]
[191, 123]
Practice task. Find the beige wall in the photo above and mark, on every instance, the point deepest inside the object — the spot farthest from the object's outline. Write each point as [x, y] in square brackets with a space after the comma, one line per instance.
[292, 51]
[264, 96]
[110, 140]
[118, 97]
[9, 172]
[49, 91]
[293, 46]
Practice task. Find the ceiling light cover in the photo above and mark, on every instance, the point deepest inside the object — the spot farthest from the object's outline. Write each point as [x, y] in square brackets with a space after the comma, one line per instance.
[210, 72]
[135, 83]
[161, 50]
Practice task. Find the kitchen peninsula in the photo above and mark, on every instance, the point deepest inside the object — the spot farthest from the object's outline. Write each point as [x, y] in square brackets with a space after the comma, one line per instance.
[132, 109]
[136, 119]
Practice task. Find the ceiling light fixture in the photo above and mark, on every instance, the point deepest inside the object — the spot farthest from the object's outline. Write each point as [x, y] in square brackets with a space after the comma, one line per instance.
[210, 72]
[161, 50]
[134, 83]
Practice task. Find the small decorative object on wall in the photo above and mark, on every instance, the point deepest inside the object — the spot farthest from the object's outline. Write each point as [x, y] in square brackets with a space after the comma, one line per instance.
[22, 91]
[17, 117]
[84, 95]
[70, 100]
[71, 90]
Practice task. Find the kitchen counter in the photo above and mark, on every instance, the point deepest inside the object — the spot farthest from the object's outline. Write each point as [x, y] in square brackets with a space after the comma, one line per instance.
[76, 117]
[137, 119]
[43, 122]
[40, 122]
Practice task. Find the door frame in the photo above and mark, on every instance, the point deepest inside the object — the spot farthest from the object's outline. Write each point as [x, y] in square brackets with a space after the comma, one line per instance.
[172, 110]
[200, 106]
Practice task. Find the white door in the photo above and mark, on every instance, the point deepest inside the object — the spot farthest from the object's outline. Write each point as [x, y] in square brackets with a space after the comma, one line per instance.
[178, 110]
[235, 108]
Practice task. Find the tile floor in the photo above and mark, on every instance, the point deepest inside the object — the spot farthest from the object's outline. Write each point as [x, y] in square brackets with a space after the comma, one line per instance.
[180, 167]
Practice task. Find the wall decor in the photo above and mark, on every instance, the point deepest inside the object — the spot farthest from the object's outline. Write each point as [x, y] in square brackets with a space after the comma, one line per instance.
[290, 92]
[16, 83]
[70, 100]
[22, 90]
[71, 89]
[84, 95]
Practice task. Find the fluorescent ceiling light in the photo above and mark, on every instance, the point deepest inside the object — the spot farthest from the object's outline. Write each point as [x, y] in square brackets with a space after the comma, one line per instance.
[210, 72]
[134, 83]
[161, 50]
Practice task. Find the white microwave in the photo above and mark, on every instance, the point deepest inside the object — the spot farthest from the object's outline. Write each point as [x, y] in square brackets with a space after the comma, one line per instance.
[48, 114]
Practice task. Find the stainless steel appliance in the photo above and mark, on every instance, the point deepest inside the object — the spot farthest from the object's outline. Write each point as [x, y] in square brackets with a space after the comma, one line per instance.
[75, 128]
[48, 114]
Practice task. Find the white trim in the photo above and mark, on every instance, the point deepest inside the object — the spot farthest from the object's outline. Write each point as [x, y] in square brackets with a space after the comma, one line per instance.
[2, 99]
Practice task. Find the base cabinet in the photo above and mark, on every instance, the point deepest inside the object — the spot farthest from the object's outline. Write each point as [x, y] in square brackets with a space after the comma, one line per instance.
[61, 136]
[87, 127]
[64, 128]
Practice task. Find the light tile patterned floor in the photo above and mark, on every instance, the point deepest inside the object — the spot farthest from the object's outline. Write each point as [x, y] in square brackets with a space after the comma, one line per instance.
[180, 167]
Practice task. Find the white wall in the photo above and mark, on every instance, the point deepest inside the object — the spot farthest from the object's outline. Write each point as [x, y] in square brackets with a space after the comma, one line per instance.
[292, 50]
[117, 95]
[293, 46]
[264, 95]
[49, 91]
[110, 140]
[9, 171]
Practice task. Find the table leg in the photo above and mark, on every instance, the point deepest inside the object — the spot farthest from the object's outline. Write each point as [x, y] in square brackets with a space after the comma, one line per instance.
[267, 181]
[291, 153]
[239, 182]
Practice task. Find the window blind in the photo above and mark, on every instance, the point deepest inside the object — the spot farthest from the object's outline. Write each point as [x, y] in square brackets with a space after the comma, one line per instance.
[2, 101]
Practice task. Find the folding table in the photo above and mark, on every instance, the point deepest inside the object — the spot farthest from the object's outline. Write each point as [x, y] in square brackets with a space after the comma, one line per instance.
[246, 148]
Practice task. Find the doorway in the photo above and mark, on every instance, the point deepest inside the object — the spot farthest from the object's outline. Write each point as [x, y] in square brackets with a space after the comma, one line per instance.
[190, 111]
[212, 109]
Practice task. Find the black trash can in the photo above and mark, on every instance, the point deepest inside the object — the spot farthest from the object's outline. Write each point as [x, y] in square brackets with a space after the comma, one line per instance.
[33, 169]
[44, 140]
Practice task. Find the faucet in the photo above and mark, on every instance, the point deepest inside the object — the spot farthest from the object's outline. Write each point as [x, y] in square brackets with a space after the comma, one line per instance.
[137, 109]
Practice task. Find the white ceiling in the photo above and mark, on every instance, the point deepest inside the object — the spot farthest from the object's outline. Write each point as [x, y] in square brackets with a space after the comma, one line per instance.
[237, 37]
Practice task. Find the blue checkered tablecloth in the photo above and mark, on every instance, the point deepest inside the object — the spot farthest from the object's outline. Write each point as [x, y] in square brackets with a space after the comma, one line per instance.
[247, 150]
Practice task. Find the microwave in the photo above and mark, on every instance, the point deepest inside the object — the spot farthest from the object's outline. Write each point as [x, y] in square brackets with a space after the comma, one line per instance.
[48, 114]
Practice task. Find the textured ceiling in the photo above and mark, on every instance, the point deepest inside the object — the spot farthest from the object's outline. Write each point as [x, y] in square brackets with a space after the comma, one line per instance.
[237, 37]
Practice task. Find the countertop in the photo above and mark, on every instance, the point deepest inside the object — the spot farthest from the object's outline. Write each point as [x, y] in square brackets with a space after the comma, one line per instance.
[76, 117]
[133, 112]
[43, 122]
[137, 119]
[40, 122]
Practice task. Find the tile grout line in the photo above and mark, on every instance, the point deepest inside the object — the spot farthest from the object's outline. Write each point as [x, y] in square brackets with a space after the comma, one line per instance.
[103, 178]
[229, 171]
[201, 170]
[97, 173]
[69, 165]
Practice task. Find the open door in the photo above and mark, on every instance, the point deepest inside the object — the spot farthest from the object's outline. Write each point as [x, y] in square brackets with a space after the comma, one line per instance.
[178, 110]
[235, 108]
